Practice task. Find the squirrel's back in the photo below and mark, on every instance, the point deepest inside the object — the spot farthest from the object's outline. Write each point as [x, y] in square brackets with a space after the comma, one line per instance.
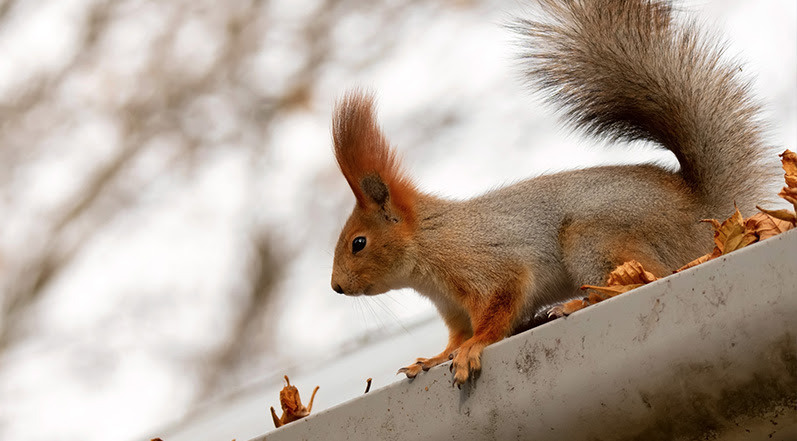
[625, 69]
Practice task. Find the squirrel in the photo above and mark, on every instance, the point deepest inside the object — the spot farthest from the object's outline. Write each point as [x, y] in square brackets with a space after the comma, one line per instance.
[621, 70]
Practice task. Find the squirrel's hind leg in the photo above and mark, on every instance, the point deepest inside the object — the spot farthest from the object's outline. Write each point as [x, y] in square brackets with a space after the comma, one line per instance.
[591, 252]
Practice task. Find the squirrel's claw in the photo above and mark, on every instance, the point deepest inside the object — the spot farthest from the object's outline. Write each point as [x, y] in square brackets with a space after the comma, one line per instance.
[423, 364]
[555, 312]
[454, 383]
[412, 370]
[467, 363]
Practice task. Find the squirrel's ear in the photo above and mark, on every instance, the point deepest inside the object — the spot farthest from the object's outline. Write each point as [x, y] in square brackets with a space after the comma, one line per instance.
[366, 160]
[375, 189]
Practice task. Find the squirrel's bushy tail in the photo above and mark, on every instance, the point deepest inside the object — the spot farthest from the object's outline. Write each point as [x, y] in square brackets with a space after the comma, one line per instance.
[624, 69]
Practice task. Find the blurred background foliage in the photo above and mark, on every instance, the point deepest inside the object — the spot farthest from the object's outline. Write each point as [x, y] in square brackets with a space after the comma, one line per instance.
[164, 165]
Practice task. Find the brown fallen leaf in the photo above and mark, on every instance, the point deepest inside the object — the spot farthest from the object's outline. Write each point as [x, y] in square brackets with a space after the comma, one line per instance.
[784, 215]
[702, 259]
[736, 233]
[789, 192]
[630, 273]
[730, 235]
[624, 278]
[789, 160]
[764, 225]
[292, 408]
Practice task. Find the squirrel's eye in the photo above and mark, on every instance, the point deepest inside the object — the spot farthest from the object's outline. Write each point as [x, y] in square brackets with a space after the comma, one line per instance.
[357, 244]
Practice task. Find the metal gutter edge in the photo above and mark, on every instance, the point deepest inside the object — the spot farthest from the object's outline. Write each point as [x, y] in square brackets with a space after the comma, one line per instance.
[710, 353]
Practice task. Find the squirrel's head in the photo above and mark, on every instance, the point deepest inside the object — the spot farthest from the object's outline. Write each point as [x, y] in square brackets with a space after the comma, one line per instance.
[372, 254]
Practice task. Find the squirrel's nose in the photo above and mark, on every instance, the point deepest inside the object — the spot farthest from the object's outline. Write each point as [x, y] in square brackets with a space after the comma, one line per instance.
[337, 288]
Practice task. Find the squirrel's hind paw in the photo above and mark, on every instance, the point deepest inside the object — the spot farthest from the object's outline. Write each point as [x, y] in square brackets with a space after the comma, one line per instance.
[555, 312]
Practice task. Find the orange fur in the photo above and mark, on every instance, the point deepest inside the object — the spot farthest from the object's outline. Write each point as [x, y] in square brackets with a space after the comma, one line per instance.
[492, 319]
[361, 149]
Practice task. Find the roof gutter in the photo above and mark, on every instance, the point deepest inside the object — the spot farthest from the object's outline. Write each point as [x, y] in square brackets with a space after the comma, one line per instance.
[710, 353]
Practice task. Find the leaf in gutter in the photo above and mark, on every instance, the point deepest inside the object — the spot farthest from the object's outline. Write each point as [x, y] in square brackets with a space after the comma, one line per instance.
[630, 273]
[784, 215]
[624, 278]
[764, 225]
[702, 259]
[732, 234]
[789, 192]
[729, 235]
[789, 160]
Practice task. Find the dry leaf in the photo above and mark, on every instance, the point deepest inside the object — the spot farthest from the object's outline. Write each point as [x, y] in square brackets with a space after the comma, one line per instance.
[732, 233]
[712, 255]
[737, 232]
[624, 278]
[784, 215]
[630, 273]
[292, 408]
[789, 160]
[764, 225]
[789, 192]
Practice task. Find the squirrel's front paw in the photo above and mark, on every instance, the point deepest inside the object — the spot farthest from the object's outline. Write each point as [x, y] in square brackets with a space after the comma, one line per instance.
[412, 370]
[422, 364]
[467, 363]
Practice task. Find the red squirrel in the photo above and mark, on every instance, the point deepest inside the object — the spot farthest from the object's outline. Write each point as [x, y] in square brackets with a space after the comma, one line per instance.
[619, 70]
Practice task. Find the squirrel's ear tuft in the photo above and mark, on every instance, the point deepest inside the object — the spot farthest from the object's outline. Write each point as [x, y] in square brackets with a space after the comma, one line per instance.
[365, 158]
